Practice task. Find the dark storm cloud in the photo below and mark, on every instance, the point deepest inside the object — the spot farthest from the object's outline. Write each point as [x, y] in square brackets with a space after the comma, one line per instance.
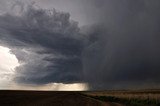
[121, 50]
[46, 42]
[125, 51]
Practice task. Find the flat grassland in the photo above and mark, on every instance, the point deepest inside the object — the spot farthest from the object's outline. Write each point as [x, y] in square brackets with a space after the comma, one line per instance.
[128, 97]
[84, 98]
[48, 98]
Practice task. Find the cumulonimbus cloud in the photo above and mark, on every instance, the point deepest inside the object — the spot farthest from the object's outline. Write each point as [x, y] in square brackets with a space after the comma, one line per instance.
[47, 43]
[123, 52]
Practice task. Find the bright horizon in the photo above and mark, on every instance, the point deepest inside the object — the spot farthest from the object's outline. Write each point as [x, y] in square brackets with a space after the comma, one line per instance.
[8, 64]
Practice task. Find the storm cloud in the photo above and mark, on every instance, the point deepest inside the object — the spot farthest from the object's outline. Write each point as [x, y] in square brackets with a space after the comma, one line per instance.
[117, 49]
[124, 50]
[46, 42]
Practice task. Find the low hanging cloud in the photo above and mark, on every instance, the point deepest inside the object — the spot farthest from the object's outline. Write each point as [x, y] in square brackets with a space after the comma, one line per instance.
[47, 44]
[120, 51]
[124, 51]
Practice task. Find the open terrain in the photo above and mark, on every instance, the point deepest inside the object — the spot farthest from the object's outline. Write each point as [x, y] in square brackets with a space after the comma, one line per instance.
[84, 98]
[128, 97]
[49, 98]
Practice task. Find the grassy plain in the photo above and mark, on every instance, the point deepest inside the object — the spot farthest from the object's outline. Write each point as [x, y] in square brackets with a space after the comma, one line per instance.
[80, 98]
[48, 98]
[128, 97]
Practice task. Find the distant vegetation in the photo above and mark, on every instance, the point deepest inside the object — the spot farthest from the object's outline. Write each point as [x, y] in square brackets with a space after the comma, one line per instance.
[129, 102]
[129, 98]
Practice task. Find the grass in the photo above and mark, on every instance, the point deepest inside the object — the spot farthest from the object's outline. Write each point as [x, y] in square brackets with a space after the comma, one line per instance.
[128, 102]
[129, 98]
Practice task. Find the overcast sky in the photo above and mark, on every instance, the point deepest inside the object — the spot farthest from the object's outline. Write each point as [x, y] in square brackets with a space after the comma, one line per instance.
[102, 44]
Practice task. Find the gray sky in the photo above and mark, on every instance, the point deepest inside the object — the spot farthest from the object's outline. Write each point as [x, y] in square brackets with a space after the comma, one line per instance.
[81, 10]
[114, 46]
